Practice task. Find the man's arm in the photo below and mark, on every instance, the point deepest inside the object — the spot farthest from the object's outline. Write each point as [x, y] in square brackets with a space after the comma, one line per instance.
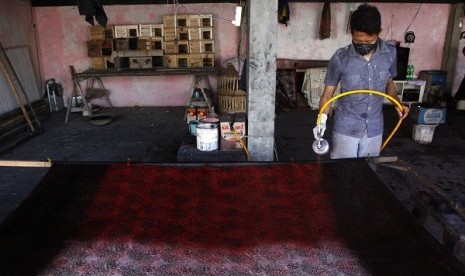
[327, 95]
[391, 91]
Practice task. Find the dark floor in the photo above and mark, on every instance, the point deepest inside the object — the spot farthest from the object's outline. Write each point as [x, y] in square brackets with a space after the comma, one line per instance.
[154, 134]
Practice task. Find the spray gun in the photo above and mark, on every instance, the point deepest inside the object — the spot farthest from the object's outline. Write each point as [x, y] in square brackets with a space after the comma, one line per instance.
[320, 145]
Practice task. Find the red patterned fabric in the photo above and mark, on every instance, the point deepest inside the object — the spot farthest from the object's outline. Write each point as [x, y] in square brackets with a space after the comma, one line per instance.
[143, 219]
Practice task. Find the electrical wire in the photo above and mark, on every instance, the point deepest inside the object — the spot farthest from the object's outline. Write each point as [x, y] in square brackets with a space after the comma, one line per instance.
[365, 91]
[414, 17]
[177, 4]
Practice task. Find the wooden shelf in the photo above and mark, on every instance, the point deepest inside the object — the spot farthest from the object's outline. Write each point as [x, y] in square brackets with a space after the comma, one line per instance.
[144, 72]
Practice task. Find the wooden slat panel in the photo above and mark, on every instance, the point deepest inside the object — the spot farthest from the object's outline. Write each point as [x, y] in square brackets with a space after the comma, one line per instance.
[20, 60]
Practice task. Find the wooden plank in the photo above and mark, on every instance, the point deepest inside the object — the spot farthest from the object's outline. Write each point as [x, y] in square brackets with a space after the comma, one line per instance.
[22, 163]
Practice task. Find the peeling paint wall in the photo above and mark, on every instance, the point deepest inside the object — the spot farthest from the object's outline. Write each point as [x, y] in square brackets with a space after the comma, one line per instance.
[63, 34]
[299, 40]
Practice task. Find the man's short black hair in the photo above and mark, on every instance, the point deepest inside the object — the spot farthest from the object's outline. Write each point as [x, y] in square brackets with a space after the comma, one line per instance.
[366, 19]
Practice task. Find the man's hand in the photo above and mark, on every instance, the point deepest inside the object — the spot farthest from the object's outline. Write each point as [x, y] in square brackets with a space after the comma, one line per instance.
[319, 130]
[403, 114]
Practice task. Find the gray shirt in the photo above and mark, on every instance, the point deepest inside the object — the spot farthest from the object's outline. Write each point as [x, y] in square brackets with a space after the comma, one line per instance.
[361, 113]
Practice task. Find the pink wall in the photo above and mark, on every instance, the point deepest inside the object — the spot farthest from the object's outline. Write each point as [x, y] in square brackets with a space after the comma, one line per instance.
[299, 40]
[63, 34]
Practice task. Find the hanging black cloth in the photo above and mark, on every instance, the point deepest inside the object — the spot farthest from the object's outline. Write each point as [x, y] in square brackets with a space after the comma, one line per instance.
[91, 8]
[283, 12]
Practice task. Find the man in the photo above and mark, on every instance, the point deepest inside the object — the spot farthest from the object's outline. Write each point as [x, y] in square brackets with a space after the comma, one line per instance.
[367, 63]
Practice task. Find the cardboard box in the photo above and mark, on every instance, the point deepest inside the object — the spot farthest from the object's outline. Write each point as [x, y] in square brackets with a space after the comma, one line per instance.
[228, 140]
[429, 116]
[202, 112]
[191, 113]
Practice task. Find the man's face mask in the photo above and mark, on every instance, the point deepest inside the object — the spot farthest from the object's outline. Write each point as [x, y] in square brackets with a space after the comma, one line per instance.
[363, 48]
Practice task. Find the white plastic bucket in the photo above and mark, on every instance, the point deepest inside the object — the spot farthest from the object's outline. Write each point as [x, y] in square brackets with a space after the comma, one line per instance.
[423, 134]
[207, 136]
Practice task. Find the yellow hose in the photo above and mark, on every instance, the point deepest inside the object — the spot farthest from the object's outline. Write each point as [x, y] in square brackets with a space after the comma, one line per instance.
[365, 91]
[242, 143]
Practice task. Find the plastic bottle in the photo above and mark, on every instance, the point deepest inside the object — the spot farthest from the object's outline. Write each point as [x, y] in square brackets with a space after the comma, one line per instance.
[410, 72]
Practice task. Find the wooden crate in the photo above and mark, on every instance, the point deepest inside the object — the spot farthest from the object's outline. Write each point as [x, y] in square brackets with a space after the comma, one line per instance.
[170, 34]
[94, 48]
[182, 33]
[180, 20]
[108, 63]
[109, 32]
[183, 47]
[121, 31]
[208, 60]
[145, 30]
[170, 47]
[157, 43]
[157, 30]
[194, 33]
[122, 44]
[194, 20]
[170, 61]
[195, 60]
[206, 20]
[96, 32]
[107, 47]
[139, 53]
[157, 61]
[140, 62]
[206, 33]
[98, 63]
[183, 60]
[180, 47]
[144, 44]
[133, 30]
[133, 43]
[195, 47]
[207, 46]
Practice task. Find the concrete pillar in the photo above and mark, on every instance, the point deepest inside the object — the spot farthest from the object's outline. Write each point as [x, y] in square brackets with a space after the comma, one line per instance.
[261, 84]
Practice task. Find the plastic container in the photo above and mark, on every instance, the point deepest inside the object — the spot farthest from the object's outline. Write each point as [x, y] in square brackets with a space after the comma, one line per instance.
[423, 134]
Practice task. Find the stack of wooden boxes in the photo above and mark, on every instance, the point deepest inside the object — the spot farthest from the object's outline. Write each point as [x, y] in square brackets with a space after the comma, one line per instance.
[126, 46]
[182, 41]
[139, 46]
[100, 45]
[188, 41]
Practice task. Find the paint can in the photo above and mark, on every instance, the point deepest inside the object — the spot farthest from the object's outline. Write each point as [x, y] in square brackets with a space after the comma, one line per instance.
[193, 127]
[207, 135]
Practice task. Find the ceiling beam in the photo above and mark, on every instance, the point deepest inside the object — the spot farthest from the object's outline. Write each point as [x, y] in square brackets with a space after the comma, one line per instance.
[48, 3]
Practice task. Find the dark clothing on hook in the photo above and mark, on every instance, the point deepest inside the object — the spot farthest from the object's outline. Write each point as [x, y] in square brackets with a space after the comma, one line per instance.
[91, 8]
